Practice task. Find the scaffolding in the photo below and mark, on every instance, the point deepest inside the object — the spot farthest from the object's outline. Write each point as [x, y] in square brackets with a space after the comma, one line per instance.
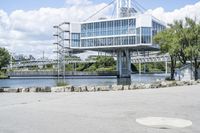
[62, 43]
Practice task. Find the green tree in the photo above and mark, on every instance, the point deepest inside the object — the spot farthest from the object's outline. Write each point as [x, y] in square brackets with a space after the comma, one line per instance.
[182, 41]
[193, 44]
[169, 43]
[4, 57]
[179, 28]
[104, 61]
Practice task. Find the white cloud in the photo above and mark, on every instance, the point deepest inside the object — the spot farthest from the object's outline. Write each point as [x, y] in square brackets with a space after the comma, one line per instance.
[192, 11]
[30, 32]
[78, 2]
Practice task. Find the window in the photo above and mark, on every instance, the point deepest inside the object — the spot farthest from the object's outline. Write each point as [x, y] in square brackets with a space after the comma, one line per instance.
[103, 28]
[90, 29]
[109, 41]
[132, 25]
[124, 40]
[125, 26]
[110, 28]
[83, 43]
[96, 29]
[138, 35]
[75, 39]
[117, 27]
[117, 41]
[146, 35]
[156, 27]
[132, 40]
[83, 30]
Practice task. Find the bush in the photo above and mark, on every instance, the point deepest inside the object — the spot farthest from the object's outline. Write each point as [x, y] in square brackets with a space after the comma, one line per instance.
[91, 68]
[4, 57]
[61, 83]
[108, 69]
[2, 75]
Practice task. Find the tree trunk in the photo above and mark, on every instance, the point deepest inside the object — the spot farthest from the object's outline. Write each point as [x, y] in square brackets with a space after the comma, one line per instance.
[196, 66]
[173, 65]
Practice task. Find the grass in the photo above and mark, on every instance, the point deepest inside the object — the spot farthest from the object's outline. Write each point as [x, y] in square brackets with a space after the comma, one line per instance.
[2, 75]
[61, 83]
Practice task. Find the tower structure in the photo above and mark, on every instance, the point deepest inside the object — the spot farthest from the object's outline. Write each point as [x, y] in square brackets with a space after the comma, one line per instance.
[125, 8]
[62, 42]
[131, 31]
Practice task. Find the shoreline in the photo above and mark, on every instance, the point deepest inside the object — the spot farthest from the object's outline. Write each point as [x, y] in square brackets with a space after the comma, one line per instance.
[2, 78]
[69, 88]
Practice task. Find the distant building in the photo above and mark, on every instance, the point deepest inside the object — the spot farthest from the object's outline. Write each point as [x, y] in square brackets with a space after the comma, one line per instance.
[22, 57]
[185, 73]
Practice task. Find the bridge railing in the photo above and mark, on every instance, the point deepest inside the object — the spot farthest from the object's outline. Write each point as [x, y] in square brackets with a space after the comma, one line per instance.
[55, 73]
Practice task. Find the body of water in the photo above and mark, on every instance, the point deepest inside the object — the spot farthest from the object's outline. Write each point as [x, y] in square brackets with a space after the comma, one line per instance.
[79, 81]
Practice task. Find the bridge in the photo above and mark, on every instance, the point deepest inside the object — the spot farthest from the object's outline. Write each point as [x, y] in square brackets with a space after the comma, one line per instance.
[152, 58]
[134, 59]
[51, 74]
[41, 63]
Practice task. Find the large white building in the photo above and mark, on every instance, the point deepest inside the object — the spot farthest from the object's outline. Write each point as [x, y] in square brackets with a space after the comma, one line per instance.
[129, 31]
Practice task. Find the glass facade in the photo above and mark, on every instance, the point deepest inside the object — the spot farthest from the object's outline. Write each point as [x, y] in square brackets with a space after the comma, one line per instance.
[156, 27]
[106, 28]
[75, 39]
[146, 35]
[109, 41]
[109, 33]
[138, 35]
[115, 33]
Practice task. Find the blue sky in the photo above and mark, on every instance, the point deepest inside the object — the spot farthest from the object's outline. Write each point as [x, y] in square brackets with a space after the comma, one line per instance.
[11, 5]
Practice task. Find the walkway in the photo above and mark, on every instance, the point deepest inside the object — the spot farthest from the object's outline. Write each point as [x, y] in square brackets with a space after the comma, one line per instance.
[98, 112]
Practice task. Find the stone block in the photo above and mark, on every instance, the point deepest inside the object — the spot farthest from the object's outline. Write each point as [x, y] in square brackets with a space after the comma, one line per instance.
[10, 90]
[32, 89]
[84, 89]
[45, 89]
[117, 87]
[91, 88]
[77, 89]
[1, 90]
[126, 87]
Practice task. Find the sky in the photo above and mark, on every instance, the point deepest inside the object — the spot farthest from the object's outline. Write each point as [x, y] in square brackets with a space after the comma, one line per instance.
[11, 5]
[26, 25]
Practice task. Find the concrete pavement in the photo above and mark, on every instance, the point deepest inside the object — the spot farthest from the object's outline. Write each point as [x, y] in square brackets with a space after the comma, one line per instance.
[98, 112]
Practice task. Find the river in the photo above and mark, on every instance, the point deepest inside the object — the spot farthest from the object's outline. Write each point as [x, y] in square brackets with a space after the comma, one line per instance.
[79, 81]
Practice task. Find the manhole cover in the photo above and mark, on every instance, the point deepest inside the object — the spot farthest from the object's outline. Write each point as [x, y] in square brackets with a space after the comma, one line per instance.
[163, 122]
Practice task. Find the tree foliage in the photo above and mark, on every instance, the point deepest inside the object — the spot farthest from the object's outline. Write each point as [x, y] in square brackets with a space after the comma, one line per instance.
[192, 50]
[103, 63]
[169, 43]
[4, 57]
[182, 41]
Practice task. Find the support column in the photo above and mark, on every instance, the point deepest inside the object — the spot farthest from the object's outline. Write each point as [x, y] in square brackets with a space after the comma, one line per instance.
[124, 64]
[140, 71]
[144, 68]
[166, 67]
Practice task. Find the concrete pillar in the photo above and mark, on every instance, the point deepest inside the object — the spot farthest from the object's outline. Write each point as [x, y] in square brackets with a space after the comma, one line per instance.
[75, 67]
[166, 67]
[44, 66]
[124, 64]
[144, 68]
[140, 71]
[54, 66]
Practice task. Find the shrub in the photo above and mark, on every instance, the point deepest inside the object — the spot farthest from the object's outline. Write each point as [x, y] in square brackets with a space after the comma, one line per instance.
[61, 83]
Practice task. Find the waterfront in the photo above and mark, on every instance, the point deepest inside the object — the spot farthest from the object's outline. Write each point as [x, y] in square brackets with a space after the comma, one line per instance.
[79, 81]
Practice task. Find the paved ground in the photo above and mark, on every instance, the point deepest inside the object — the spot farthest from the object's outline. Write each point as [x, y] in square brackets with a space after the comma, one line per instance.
[98, 112]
